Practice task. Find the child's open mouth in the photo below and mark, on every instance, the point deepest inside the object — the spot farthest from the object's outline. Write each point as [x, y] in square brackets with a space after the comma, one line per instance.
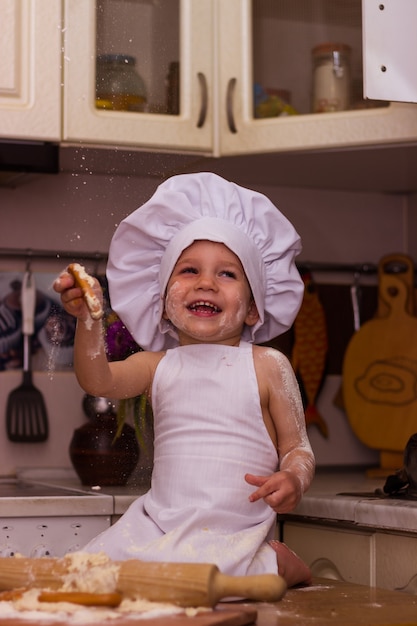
[202, 307]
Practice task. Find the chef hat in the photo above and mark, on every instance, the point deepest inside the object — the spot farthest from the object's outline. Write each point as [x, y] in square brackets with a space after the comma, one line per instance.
[204, 206]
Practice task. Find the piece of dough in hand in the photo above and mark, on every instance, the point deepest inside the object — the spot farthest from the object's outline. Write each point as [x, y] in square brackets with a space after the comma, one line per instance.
[86, 283]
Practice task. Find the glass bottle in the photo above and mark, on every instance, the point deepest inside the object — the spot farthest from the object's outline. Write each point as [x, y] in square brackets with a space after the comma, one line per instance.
[119, 87]
[331, 77]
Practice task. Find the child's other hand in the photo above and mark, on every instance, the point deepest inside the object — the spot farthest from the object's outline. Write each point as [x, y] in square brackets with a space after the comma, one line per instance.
[72, 296]
[281, 490]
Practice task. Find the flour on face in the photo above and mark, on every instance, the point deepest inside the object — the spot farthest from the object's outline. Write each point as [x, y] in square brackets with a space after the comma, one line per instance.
[208, 297]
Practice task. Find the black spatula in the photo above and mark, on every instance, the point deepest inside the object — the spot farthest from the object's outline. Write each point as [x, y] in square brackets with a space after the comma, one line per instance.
[26, 415]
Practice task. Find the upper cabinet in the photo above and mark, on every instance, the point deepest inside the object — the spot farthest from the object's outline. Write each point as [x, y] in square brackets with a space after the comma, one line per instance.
[306, 54]
[30, 69]
[139, 73]
[210, 77]
[223, 78]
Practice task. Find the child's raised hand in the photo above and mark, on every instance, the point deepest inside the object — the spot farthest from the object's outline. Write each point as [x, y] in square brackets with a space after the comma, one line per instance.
[281, 491]
[74, 298]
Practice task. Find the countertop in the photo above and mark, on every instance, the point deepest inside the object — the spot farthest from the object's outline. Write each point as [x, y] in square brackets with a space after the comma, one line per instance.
[326, 499]
[51, 498]
[78, 499]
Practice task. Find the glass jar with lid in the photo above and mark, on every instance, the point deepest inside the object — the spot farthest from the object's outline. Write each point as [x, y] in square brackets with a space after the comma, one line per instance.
[119, 87]
[331, 77]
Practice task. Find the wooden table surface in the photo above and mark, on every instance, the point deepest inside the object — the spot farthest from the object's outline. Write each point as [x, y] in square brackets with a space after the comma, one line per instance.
[324, 602]
[344, 604]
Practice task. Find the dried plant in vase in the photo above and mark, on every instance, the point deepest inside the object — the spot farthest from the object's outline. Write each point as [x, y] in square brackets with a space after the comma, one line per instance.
[120, 345]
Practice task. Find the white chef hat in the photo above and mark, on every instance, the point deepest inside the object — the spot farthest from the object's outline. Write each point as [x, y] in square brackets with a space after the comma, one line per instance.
[191, 207]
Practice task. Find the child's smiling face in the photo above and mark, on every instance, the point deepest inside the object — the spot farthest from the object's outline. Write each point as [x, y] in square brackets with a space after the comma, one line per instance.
[208, 297]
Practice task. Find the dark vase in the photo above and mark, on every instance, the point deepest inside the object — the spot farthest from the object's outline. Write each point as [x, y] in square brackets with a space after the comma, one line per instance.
[97, 456]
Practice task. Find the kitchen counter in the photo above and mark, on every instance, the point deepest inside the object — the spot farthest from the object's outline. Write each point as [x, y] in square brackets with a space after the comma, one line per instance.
[324, 500]
[47, 512]
[49, 515]
[21, 499]
[84, 499]
[349, 496]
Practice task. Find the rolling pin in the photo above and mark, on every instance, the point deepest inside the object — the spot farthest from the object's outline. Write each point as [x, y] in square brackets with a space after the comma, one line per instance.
[182, 584]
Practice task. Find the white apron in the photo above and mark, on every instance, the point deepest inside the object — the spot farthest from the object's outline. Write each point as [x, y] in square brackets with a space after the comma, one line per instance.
[209, 432]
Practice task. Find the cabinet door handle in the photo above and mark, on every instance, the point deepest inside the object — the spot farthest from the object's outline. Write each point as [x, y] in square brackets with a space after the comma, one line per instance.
[229, 105]
[204, 99]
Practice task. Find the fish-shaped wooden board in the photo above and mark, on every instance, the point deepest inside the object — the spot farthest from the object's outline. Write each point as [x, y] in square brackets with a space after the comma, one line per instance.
[310, 350]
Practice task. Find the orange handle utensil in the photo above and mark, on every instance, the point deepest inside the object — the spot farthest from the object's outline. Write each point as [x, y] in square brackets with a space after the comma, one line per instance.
[78, 597]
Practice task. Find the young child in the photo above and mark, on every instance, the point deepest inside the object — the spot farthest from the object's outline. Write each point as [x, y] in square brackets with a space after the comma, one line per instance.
[199, 273]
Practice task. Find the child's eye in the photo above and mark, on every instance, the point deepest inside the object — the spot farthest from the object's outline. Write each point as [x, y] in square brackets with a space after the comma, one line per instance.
[228, 274]
[188, 270]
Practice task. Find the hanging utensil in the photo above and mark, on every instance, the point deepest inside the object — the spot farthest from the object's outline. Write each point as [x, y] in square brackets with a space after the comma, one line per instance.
[355, 294]
[26, 415]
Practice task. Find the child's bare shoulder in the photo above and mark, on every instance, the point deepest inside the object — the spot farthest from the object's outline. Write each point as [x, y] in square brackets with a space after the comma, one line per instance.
[268, 357]
[151, 356]
[148, 359]
[143, 366]
[274, 371]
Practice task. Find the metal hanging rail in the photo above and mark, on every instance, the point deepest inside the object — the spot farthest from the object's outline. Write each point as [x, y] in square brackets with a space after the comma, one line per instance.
[349, 268]
[29, 254]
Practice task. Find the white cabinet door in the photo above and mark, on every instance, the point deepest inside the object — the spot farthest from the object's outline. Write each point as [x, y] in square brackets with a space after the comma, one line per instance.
[333, 553]
[30, 69]
[270, 43]
[390, 49]
[396, 562]
[192, 128]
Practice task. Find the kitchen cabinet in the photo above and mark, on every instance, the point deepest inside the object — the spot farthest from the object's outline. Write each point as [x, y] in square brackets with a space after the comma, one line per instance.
[30, 69]
[225, 52]
[384, 559]
[396, 561]
[254, 53]
[336, 553]
[156, 34]
[390, 71]
[224, 49]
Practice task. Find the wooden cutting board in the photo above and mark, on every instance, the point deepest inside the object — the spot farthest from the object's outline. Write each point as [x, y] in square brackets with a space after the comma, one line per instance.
[380, 370]
[233, 616]
[402, 265]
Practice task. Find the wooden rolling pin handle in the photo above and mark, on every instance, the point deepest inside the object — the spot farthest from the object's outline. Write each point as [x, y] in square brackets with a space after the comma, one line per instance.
[262, 587]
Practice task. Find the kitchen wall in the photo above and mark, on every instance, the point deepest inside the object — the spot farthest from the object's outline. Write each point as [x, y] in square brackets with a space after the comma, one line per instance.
[79, 212]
